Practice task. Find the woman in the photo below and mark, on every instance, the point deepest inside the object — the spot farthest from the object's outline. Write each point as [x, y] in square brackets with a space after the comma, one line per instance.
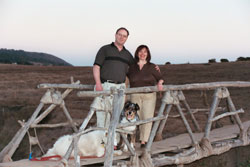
[143, 73]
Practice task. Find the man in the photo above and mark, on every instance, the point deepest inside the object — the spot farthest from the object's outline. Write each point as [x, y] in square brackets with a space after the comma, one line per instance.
[110, 68]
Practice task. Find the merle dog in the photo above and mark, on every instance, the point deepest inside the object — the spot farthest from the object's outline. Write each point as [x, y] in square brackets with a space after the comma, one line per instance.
[129, 114]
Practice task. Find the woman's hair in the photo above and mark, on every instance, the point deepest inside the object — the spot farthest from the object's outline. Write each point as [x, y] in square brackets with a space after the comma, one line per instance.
[139, 48]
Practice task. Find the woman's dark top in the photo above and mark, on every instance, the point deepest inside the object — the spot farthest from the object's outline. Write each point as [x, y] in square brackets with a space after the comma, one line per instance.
[147, 76]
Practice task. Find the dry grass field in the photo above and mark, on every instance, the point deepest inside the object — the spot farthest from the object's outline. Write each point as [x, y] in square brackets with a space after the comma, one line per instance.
[19, 97]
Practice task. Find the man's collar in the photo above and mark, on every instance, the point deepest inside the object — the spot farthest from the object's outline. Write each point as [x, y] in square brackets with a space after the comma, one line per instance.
[113, 44]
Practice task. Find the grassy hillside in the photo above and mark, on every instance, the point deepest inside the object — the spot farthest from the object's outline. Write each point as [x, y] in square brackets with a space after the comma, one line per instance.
[10, 56]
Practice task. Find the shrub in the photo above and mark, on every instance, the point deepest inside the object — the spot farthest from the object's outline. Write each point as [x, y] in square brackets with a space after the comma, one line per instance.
[223, 60]
[167, 63]
[247, 58]
[241, 59]
[212, 61]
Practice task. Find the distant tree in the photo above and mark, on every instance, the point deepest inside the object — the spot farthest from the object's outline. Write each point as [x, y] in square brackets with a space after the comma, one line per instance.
[167, 63]
[241, 59]
[224, 60]
[247, 58]
[212, 61]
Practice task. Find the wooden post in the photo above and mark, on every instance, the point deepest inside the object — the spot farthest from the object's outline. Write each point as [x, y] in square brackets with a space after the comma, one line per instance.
[182, 98]
[156, 124]
[228, 114]
[213, 108]
[186, 124]
[123, 125]
[135, 161]
[86, 120]
[76, 156]
[204, 95]
[44, 114]
[83, 126]
[128, 144]
[231, 118]
[146, 160]
[243, 134]
[16, 140]
[68, 117]
[192, 116]
[158, 136]
[233, 109]
[117, 109]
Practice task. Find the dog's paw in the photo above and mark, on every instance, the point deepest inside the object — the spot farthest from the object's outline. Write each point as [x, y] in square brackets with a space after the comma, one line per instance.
[117, 152]
[125, 148]
[132, 145]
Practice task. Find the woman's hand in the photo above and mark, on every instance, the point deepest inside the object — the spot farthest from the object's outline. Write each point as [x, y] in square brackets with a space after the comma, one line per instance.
[159, 85]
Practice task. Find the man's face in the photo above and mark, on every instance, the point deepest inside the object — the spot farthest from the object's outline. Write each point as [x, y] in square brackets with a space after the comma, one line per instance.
[121, 37]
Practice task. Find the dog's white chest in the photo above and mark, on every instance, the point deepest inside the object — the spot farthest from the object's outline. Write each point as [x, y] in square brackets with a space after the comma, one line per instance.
[129, 128]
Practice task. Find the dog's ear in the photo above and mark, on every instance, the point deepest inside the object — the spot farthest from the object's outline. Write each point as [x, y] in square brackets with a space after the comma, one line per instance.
[137, 107]
[127, 104]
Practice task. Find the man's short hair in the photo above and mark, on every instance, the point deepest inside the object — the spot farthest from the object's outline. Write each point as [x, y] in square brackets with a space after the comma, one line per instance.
[122, 28]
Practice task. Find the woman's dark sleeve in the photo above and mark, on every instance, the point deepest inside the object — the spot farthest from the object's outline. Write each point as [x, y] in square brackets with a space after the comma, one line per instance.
[157, 74]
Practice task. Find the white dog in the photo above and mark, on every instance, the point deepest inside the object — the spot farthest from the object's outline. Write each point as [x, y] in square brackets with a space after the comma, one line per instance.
[90, 144]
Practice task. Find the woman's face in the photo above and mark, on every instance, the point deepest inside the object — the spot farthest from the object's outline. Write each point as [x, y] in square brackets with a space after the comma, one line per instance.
[142, 54]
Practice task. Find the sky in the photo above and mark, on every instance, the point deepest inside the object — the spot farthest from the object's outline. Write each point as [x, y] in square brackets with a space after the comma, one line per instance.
[176, 31]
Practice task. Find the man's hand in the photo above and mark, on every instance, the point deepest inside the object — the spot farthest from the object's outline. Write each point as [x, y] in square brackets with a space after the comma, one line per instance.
[157, 68]
[98, 87]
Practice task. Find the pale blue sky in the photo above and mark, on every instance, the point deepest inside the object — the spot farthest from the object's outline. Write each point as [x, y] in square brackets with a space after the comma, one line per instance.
[178, 31]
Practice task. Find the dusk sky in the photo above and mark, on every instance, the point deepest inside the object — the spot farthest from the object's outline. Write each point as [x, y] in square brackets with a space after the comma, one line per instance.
[176, 31]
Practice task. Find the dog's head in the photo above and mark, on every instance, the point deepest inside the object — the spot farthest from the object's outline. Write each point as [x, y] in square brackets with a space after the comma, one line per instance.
[130, 110]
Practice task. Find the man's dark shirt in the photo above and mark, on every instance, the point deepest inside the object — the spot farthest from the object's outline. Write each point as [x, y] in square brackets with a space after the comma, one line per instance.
[113, 63]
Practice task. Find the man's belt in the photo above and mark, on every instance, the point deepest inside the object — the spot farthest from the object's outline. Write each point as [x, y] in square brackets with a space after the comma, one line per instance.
[111, 81]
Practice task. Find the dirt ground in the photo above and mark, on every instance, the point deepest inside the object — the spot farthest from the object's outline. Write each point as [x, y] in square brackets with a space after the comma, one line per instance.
[19, 97]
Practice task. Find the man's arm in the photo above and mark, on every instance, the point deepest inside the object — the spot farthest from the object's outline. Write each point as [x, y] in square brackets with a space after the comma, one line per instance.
[157, 68]
[96, 73]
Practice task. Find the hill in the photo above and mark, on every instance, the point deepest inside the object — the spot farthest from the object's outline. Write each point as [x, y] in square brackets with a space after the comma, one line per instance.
[11, 56]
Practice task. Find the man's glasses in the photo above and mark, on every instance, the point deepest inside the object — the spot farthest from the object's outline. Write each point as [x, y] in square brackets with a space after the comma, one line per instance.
[121, 35]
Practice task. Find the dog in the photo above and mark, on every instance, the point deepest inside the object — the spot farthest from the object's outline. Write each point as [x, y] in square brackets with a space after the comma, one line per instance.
[89, 144]
[129, 114]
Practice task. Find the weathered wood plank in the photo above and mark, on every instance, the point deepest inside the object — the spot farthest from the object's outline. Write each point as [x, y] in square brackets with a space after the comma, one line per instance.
[213, 108]
[196, 86]
[65, 86]
[227, 114]
[66, 112]
[117, 109]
